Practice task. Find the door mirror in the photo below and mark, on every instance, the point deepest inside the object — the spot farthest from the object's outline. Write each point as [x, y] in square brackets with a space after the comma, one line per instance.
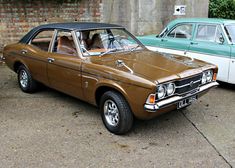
[157, 35]
[221, 39]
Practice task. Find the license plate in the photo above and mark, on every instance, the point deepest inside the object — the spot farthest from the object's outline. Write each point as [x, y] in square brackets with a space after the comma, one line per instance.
[186, 102]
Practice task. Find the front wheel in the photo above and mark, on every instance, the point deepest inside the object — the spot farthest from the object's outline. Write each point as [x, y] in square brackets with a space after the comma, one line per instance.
[116, 113]
[25, 80]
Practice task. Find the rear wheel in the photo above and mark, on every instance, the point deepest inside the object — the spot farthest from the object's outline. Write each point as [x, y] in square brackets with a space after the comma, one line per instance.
[25, 80]
[116, 113]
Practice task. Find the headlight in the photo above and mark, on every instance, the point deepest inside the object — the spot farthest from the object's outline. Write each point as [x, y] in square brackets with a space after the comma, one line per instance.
[204, 77]
[170, 89]
[161, 91]
[209, 76]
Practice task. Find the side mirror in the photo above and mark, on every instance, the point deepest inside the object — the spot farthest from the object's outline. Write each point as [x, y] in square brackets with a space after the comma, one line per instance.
[157, 35]
[221, 39]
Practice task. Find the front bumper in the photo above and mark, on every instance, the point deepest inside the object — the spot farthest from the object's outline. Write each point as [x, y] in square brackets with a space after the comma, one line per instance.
[175, 99]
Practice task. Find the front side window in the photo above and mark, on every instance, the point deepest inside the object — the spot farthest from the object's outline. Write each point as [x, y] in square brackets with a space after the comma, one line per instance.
[42, 40]
[210, 33]
[230, 30]
[64, 44]
[181, 31]
[102, 41]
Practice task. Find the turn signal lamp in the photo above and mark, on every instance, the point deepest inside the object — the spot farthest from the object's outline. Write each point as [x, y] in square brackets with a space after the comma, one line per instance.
[151, 99]
[214, 76]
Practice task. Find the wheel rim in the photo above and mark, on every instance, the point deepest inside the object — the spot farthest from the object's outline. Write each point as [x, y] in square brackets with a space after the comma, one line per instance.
[23, 78]
[111, 113]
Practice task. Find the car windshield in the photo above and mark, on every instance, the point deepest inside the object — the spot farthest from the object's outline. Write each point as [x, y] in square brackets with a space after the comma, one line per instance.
[230, 30]
[104, 41]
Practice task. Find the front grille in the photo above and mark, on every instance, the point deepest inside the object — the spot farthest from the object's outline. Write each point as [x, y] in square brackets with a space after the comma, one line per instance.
[187, 85]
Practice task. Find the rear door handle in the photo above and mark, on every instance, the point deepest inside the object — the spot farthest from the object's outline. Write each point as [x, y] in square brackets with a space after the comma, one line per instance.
[193, 43]
[24, 51]
[50, 60]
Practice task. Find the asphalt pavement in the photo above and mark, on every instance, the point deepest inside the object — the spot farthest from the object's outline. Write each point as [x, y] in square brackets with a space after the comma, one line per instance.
[51, 129]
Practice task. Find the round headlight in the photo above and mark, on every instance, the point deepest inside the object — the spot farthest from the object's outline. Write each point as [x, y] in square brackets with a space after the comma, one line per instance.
[209, 76]
[170, 89]
[161, 91]
[204, 78]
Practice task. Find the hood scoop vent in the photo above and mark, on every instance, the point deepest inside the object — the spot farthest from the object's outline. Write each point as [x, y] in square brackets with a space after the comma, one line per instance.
[120, 63]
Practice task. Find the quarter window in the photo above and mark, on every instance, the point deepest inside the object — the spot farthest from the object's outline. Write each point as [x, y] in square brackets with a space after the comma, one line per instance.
[42, 40]
[182, 31]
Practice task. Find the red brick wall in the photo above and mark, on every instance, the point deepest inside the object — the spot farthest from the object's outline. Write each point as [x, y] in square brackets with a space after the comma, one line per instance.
[17, 17]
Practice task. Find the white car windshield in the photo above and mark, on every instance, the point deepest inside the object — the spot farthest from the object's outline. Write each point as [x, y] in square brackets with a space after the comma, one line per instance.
[104, 41]
[230, 30]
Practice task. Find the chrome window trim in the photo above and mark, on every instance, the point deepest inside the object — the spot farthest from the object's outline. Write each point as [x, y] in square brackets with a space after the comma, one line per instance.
[52, 43]
[77, 44]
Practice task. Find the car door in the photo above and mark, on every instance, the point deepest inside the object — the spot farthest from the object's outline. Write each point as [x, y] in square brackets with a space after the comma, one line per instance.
[231, 78]
[64, 65]
[178, 39]
[35, 54]
[210, 45]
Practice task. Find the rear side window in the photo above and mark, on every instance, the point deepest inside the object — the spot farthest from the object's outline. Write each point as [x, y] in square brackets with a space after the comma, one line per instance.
[181, 31]
[208, 33]
[42, 40]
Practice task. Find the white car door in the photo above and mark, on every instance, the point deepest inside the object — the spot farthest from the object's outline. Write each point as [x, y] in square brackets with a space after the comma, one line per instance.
[208, 46]
[231, 78]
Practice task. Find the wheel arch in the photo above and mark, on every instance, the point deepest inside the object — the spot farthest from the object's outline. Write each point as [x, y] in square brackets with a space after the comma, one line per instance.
[104, 87]
[17, 64]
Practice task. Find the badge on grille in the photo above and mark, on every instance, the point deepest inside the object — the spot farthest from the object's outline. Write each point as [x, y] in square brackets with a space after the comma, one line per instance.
[191, 84]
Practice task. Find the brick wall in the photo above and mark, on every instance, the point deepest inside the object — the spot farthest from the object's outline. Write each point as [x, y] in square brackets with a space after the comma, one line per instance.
[18, 16]
[139, 16]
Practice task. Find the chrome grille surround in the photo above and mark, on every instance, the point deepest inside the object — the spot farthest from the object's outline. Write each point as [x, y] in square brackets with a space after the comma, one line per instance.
[187, 85]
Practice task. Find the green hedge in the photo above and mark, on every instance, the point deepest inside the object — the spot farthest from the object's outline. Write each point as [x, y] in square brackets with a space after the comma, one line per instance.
[222, 9]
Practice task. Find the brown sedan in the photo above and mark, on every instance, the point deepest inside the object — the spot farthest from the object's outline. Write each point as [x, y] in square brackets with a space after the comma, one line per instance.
[103, 64]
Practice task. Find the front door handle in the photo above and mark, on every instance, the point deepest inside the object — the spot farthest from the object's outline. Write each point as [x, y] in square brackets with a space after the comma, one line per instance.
[50, 60]
[193, 43]
[24, 51]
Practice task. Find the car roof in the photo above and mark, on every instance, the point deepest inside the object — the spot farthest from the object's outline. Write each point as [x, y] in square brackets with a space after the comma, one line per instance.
[79, 25]
[68, 26]
[201, 20]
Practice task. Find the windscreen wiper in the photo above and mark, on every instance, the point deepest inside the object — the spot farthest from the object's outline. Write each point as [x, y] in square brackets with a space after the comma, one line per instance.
[108, 51]
[134, 48]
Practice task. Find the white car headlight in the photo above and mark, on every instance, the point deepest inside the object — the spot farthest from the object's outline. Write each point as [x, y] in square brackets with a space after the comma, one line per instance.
[161, 91]
[170, 89]
[209, 76]
[204, 77]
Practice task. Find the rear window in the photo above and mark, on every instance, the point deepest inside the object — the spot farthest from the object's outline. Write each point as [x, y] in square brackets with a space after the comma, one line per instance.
[42, 40]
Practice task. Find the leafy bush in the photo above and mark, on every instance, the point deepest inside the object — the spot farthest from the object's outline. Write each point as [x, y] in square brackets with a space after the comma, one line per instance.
[222, 9]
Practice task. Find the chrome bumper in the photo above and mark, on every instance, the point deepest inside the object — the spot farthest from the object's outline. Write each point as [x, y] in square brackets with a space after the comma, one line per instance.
[175, 99]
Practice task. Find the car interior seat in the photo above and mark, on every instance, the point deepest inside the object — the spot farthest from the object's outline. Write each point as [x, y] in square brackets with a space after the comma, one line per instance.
[96, 42]
[66, 46]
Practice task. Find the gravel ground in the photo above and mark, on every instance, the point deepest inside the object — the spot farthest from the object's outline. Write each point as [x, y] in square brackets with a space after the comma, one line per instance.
[51, 129]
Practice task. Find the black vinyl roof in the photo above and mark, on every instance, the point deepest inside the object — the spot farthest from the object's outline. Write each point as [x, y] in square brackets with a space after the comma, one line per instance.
[68, 26]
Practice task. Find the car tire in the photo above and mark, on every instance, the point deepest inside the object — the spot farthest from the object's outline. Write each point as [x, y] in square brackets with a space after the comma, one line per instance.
[25, 80]
[116, 113]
